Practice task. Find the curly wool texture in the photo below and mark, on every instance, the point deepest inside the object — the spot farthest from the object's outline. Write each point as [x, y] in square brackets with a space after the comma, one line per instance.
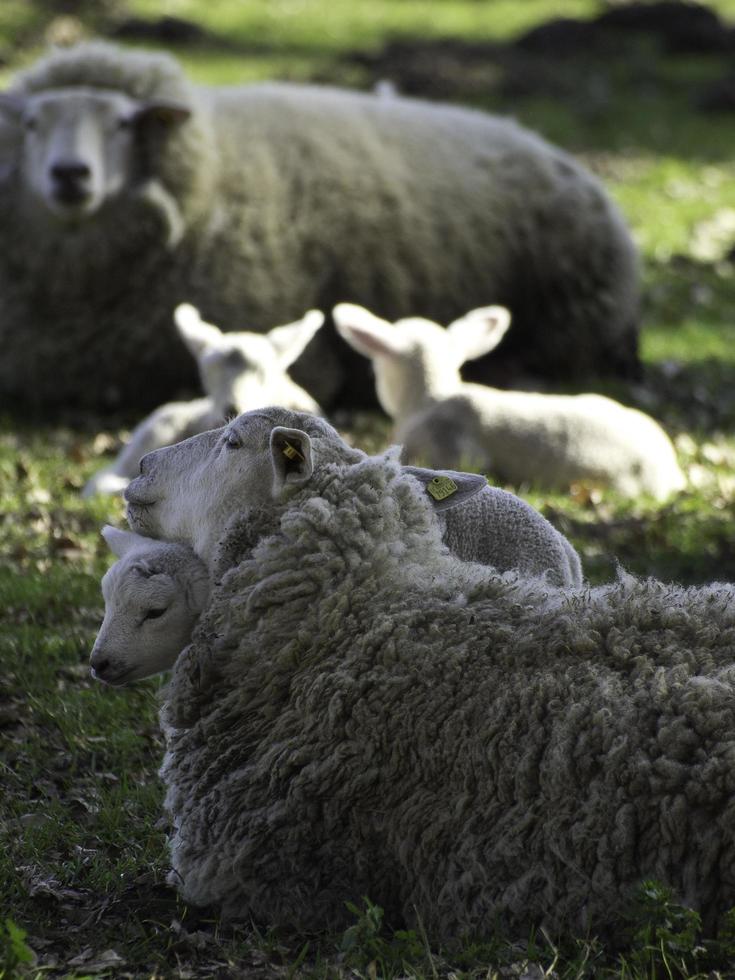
[287, 197]
[361, 714]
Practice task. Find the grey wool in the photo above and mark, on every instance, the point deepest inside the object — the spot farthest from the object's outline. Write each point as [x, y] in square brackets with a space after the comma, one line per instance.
[258, 202]
[360, 713]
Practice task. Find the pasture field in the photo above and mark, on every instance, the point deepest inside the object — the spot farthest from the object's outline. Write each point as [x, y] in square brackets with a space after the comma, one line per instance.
[82, 841]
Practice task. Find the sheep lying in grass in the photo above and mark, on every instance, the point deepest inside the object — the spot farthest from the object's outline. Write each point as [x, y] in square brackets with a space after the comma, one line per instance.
[239, 371]
[189, 492]
[522, 437]
[360, 713]
[153, 597]
[126, 187]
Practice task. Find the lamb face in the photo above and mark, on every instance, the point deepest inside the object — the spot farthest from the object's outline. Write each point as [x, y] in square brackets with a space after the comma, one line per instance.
[78, 145]
[415, 360]
[189, 491]
[242, 371]
[153, 598]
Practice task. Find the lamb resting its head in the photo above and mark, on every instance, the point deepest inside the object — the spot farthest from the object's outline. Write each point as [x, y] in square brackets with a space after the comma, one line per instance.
[190, 492]
[154, 596]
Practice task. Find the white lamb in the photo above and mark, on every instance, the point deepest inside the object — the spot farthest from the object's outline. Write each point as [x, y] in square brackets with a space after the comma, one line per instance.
[154, 596]
[187, 494]
[239, 371]
[522, 437]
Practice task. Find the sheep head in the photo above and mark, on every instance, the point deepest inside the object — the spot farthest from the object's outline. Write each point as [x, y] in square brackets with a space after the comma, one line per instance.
[153, 597]
[242, 371]
[415, 360]
[80, 146]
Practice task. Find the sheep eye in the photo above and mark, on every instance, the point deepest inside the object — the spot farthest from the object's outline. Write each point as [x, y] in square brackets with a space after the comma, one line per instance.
[30, 124]
[154, 614]
[232, 440]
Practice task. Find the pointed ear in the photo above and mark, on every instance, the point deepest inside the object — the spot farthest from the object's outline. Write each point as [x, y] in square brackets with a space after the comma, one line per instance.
[167, 113]
[291, 457]
[364, 331]
[447, 488]
[121, 542]
[196, 334]
[290, 340]
[479, 332]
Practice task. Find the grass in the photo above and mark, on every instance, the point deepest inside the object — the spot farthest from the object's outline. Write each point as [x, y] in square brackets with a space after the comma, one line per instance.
[82, 857]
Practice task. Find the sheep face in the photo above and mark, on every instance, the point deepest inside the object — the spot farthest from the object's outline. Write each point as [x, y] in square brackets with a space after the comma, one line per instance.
[188, 492]
[416, 360]
[78, 146]
[153, 598]
[244, 370]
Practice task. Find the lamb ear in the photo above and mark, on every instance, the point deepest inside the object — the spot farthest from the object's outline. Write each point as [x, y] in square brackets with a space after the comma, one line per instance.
[447, 488]
[291, 457]
[121, 542]
[479, 332]
[364, 331]
[290, 340]
[196, 334]
[168, 113]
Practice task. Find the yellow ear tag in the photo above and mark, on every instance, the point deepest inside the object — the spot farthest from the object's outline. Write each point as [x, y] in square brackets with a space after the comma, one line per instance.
[441, 487]
[291, 452]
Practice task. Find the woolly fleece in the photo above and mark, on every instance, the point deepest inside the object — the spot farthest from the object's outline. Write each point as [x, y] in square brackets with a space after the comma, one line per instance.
[361, 714]
[289, 197]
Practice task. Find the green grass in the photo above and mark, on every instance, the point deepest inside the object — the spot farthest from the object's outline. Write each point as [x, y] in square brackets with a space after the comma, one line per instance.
[82, 846]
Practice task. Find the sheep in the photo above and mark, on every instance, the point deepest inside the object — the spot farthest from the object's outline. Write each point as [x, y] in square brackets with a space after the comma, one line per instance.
[522, 437]
[238, 371]
[154, 596]
[230, 468]
[128, 188]
[360, 713]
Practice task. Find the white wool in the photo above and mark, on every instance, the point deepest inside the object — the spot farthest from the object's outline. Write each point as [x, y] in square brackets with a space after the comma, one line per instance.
[522, 437]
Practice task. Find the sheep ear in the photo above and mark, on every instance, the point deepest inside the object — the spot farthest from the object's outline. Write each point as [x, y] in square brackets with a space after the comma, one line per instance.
[447, 488]
[121, 542]
[168, 113]
[479, 332]
[364, 331]
[290, 340]
[291, 457]
[196, 334]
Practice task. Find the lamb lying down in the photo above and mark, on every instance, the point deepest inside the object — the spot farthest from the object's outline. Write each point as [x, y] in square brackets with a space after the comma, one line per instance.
[520, 436]
[239, 371]
[154, 596]
[191, 491]
[360, 713]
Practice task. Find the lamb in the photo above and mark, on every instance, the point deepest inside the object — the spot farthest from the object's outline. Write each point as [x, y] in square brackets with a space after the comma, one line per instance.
[360, 713]
[189, 493]
[127, 188]
[154, 596]
[239, 371]
[522, 437]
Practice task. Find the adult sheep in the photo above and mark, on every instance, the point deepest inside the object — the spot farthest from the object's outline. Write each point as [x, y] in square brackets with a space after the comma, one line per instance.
[361, 714]
[178, 497]
[128, 189]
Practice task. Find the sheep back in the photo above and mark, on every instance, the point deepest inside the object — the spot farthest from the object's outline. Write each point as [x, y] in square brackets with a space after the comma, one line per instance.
[361, 714]
[275, 198]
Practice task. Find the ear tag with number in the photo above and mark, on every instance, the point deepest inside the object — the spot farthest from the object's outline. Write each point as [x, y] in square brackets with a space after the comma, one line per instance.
[441, 487]
[291, 452]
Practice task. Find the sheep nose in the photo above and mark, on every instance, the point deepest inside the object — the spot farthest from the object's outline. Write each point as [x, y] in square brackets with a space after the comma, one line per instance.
[70, 178]
[99, 662]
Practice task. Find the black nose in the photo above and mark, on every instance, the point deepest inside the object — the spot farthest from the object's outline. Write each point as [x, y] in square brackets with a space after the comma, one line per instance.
[70, 178]
[100, 665]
